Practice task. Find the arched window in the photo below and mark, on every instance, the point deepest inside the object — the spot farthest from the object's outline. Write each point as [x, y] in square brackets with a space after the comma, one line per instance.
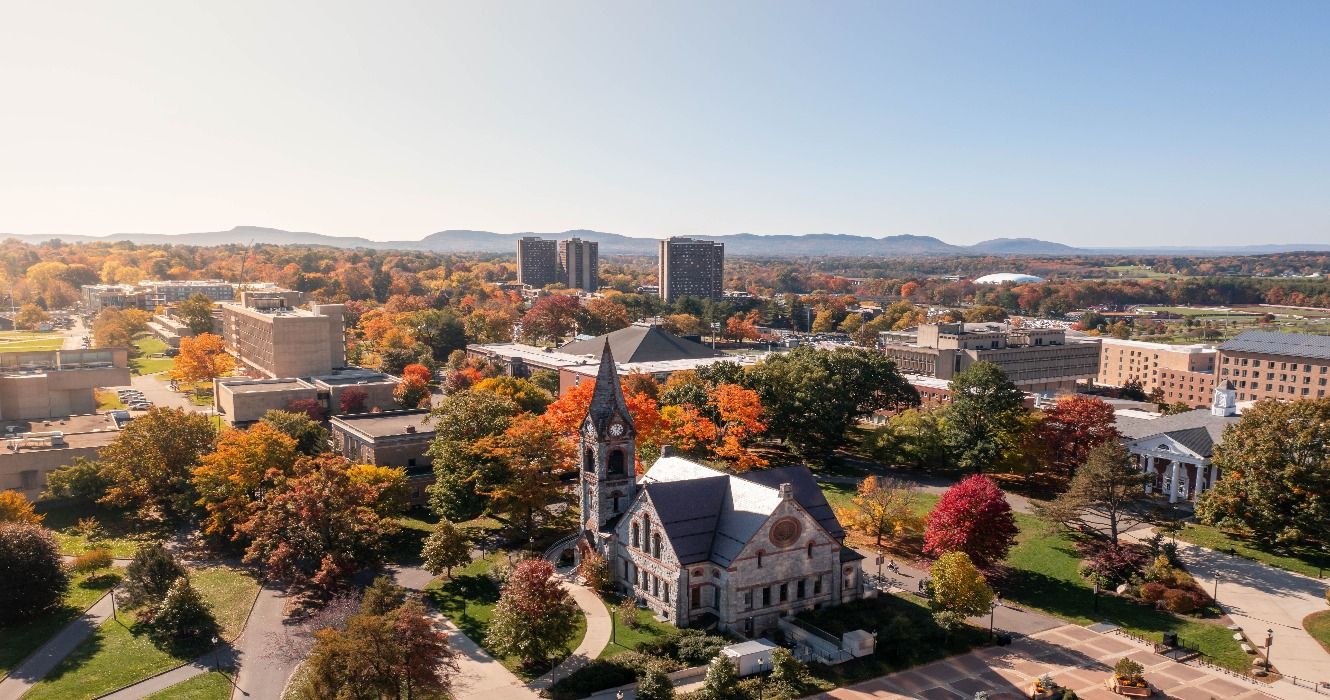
[588, 460]
[635, 537]
[810, 549]
[616, 462]
[655, 545]
[614, 501]
[759, 558]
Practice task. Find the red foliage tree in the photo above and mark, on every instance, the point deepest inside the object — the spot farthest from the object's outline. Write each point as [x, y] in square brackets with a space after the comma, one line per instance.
[972, 517]
[353, 400]
[417, 373]
[309, 407]
[551, 317]
[1072, 428]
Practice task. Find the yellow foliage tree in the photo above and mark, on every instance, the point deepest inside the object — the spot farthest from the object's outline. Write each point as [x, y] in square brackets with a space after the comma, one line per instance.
[394, 494]
[202, 358]
[15, 508]
[230, 477]
[882, 508]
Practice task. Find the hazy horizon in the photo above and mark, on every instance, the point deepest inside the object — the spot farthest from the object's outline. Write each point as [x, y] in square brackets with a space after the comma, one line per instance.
[1186, 123]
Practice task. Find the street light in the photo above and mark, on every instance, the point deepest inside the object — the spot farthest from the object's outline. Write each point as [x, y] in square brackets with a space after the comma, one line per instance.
[1215, 597]
[762, 680]
[993, 605]
[1269, 639]
[216, 662]
[1096, 595]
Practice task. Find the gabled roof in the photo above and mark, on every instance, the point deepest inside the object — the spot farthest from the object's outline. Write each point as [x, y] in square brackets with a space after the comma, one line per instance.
[642, 344]
[1198, 430]
[1315, 347]
[710, 515]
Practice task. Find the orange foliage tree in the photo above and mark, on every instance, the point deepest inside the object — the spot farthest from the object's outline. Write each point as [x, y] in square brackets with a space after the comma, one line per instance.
[202, 358]
[741, 422]
[230, 477]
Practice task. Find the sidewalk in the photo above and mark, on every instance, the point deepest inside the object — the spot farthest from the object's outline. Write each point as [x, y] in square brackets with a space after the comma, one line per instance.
[598, 629]
[479, 675]
[35, 667]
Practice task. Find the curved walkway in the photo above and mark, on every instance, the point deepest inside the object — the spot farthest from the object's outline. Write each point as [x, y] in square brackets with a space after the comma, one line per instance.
[599, 626]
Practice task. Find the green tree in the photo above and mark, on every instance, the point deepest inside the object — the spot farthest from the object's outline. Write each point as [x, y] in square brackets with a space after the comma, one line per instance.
[150, 464]
[464, 471]
[382, 597]
[196, 313]
[722, 679]
[534, 616]
[913, 438]
[654, 685]
[522, 392]
[1275, 473]
[311, 438]
[34, 579]
[80, 481]
[446, 547]
[787, 675]
[983, 420]
[1105, 495]
[812, 397]
[183, 621]
[150, 574]
[958, 590]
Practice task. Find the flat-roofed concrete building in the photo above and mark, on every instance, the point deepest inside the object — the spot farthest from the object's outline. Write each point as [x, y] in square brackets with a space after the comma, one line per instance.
[42, 384]
[164, 292]
[241, 401]
[1038, 360]
[537, 261]
[34, 449]
[97, 297]
[1274, 365]
[281, 341]
[389, 439]
[579, 264]
[1183, 373]
[691, 267]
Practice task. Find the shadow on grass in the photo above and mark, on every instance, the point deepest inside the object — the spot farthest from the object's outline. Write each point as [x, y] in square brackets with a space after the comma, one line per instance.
[457, 599]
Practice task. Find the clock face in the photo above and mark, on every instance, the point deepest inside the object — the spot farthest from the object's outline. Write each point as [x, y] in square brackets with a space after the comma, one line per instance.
[616, 429]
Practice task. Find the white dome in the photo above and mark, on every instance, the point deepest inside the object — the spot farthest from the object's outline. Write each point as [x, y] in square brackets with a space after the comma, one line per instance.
[1000, 277]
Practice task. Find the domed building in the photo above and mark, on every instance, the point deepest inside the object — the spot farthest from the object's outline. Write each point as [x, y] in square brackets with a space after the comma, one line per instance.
[1001, 277]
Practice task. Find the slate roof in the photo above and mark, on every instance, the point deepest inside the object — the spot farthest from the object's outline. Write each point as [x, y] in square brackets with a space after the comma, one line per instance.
[641, 344]
[709, 515]
[1198, 430]
[1315, 347]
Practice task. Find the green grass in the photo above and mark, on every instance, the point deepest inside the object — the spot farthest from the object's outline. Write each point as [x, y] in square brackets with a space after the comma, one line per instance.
[1138, 272]
[209, 686]
[629, 638]
[1318, 626]
[1043, 575]
[143, 362]
[16, 341]
[123, 534]
[120, 653]
[468, 600]
[17, 641]
[1308, 562]
[107, 400]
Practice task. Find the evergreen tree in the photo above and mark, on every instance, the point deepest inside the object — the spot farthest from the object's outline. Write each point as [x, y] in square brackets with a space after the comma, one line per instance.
[721, 680]
[150, 575]
[183, 620]
[382, 597]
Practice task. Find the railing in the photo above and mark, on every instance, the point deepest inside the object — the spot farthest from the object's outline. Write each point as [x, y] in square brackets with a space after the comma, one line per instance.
[815, 631]
[551, 553]
[1322, 688]
[1195, 660]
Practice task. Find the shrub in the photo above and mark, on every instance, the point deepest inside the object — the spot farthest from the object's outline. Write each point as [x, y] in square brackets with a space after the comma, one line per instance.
[91, 561]
[1127, 668]
[90, 529]
[34, 580]
[597, 675]
[654, 685]
[1153, 591]
[1178, 601]
[722, 676]
[150, 575]
[1113, 565]
[698, 650]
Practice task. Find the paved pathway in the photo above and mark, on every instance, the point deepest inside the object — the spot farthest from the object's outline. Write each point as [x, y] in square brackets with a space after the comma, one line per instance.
[224, 658]
[40, 662]
[479, 675]
[263, 673]
[1076, 658]
[598, 630]
[1259, 598]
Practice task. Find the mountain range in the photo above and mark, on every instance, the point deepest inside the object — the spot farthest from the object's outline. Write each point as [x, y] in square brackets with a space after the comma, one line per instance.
[742, 244]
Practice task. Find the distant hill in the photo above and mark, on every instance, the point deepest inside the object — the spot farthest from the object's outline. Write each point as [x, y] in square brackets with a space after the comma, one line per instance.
[743, 244]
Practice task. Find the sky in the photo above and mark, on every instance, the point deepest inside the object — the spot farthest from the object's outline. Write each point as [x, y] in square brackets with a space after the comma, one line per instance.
[1087, 123]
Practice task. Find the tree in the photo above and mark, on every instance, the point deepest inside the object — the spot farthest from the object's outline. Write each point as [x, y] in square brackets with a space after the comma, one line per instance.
[595, 571]
[462, 470]
[183, 621]
[982, 421]
[523, 392]
[600, 316]
[202, 358]
[417, 373]
[812, 397]
[150, 464]
[382, 596]
[958, 590]
[1132, 390]
[1074, 426]
[310, 436]
[534, 616]
[34, 579]
[150, 574]
[390, 482]
[16, 508]
[683, 324]
[317, 526]
[113, 328]
[787, 674]
[1105, 495]
[29, 317]
[743, 326]
[1275, 467]
[410, 393]
[913, 438]
[196, 313]
[551, 318]
[536, 455]
[398, 654]
[972, 517]
[722, 679]
[654, 685]
[81, 481]
[352, 400]
[445, 548]
[309, 408]
[740, 412]
[229, 478]
[882, 508]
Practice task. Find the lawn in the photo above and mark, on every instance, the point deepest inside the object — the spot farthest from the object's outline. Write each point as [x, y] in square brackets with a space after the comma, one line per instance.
[15, 341]
[122, 535]
[107, 400]
[209, 686]
[417, 524]
[17, 641]
[1308, 562]
[119, 653]
[1043, 575]
[1318, 626]
[468, 600]
[143, 362]
[629, 638]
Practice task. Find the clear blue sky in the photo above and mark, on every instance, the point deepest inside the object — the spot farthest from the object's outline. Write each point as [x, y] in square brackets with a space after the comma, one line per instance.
[1093, 123]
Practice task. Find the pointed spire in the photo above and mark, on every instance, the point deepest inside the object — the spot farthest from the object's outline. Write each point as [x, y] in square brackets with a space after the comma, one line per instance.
[607, 398]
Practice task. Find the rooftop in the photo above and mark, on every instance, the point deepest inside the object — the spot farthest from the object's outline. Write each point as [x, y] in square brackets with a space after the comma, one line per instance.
[1199, 430]
[388, 424]
[641, 343]
[258, 386]
[91, 430]
[353, 376]
[668, 365]
[1316, 347]
[536, 355]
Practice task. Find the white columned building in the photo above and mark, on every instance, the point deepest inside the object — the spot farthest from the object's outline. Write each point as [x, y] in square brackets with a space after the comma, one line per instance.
[1175, 450]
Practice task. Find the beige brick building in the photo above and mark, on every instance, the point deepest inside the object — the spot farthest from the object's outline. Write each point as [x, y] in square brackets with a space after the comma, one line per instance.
[42, 384]
[241, 401]
[1184, 373]
[35, 448]
[281, 341]
[1273, 365]
[1039, 360]
[389, 439]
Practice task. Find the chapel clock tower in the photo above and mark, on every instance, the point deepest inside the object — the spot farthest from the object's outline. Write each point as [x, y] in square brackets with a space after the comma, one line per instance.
[607, 451]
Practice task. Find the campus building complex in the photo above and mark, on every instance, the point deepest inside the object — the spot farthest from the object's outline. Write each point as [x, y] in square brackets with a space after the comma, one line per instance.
[42, 384]
[689, 267]
[1272, 365]
[579, 264]
[1181, 373]
[277, 340]
[1039, 360]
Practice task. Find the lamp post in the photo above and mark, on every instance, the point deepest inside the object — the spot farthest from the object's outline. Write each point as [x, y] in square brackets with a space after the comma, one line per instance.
[216, 662]
[762, 680]
[993, 605]
[1096, 595]
[1215, 597]
[1269, 639]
